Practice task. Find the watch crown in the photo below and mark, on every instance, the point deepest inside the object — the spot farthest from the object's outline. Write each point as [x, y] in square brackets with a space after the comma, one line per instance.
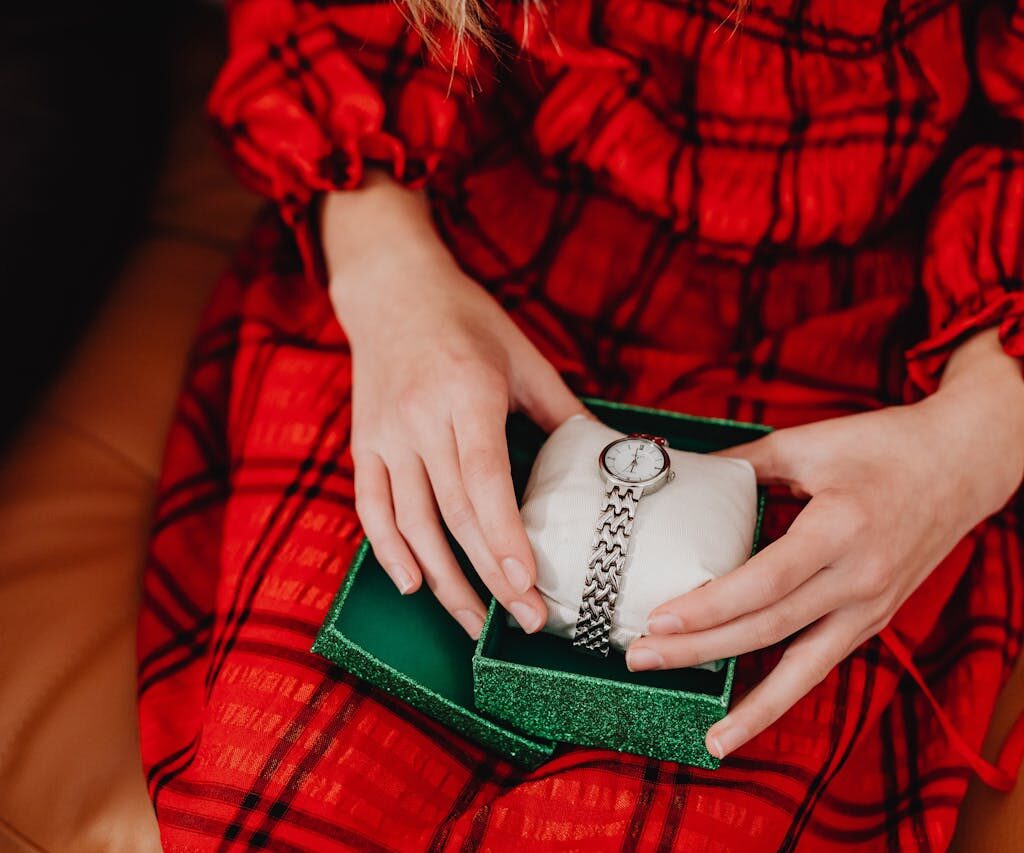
[657, 439]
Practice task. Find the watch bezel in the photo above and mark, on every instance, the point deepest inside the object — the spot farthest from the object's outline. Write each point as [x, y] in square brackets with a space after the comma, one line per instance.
[655, 482]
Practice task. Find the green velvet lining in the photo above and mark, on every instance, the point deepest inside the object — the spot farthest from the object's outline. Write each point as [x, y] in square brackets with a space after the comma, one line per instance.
[410, 647]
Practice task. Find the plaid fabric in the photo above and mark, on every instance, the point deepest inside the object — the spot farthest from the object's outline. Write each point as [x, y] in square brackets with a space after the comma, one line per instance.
[745, 224]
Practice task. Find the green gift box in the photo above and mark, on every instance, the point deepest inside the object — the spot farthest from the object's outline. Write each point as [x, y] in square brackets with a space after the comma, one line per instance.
[516, 693]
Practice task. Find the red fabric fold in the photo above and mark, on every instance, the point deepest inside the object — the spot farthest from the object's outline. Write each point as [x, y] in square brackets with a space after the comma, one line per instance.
[312, 95]
[1002, 776]
[974, 262]
[973, 270]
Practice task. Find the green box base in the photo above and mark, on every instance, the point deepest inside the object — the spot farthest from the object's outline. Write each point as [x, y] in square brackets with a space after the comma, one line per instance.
[540, 684]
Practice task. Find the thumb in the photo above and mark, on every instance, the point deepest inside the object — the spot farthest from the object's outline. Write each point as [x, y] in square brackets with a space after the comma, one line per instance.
[769, 455]
[544, 396]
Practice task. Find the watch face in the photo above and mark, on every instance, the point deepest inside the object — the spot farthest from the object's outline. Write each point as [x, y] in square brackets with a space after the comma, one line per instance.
[634, 460]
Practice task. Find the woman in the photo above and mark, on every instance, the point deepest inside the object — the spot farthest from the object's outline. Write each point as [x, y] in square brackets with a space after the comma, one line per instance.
[810, 216]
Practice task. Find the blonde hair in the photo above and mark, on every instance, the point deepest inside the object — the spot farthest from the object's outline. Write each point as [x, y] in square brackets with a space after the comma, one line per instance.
[470, 20]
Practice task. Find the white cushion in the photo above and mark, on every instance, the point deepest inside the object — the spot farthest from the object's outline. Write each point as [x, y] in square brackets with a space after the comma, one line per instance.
[696, 527]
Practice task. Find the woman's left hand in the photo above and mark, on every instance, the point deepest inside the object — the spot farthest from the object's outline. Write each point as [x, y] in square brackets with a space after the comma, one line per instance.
[891, 492]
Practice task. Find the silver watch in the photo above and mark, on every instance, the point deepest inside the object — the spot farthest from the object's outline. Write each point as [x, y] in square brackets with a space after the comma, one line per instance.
[632, 467]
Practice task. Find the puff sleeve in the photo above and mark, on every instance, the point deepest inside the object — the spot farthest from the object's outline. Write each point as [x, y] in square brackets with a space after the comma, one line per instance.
[973, 267]
[312, 94]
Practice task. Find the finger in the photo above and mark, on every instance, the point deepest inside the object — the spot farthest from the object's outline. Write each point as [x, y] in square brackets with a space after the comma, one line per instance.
[543, 395]
[769, 456]
[817, 597]
[487, 476]
[441, 460]
[377, 515]
[807, 661]
[417, 519]
[768, 576]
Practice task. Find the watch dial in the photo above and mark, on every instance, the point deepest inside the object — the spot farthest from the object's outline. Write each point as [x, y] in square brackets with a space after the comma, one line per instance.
[634, 460]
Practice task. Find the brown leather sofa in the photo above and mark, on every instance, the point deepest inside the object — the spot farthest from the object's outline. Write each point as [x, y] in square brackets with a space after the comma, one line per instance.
[75, 495]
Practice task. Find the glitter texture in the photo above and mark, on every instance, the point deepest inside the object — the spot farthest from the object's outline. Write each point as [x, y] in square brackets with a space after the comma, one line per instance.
[613, 710]
[515, 693]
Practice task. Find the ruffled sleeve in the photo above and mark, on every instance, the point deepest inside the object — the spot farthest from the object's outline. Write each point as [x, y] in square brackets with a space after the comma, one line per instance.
[312, 95]
[973, 271]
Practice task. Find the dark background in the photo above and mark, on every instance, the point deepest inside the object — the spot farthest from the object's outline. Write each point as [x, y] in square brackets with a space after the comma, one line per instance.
[84, 91]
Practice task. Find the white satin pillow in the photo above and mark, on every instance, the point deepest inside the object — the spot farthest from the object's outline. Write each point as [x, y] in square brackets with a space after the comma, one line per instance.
[696, 527]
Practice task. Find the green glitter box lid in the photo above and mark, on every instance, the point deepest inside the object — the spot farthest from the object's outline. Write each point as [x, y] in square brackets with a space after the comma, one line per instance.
[410, 647]
[544, 686]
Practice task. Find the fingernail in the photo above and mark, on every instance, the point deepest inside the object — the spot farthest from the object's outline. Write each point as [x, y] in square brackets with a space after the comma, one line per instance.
[526, 616]
[640, 659]
[471, 621]
[721, 741]
[516, 574]
[664, 623]
[402, 578]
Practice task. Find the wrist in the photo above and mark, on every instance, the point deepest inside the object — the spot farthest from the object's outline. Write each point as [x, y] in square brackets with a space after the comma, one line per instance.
[982, 376]
[379, 219]
[976, 419]
[379, 243]
[361, 236]
[385, 271]
[982, 355]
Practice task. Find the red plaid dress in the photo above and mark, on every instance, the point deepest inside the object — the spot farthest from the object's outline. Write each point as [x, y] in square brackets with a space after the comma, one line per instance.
[793, 219]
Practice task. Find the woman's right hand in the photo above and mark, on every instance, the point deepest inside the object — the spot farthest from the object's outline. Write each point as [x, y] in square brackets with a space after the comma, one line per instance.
[437, 365]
